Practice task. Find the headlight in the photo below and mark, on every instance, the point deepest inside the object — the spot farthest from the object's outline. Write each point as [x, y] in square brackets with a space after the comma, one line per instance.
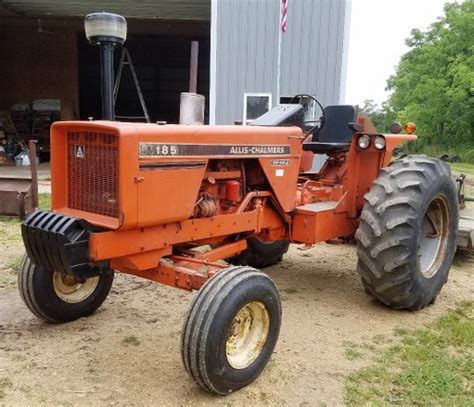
[363, 141]
[379, 142]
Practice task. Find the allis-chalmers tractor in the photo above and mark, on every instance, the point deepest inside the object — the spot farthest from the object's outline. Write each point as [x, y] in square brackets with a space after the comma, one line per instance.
[203, 207]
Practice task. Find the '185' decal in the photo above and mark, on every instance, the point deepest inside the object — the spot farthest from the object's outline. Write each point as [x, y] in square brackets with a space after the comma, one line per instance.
[164, 149]
[149, 149]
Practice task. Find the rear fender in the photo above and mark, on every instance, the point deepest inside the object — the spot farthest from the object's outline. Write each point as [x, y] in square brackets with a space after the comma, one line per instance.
[392, 141]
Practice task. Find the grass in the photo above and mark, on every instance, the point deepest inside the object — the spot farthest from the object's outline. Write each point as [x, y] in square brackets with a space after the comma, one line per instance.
[400, 332]
[9, 220]
[131, 340]
[44, 201]
[9, 232]
[290, 290]
[4, 383]
[14, 263]
[351, 353]
[430, 366]
[10, 225]
[465, 168]
[466, 153]
[7, 280]
[11, 245]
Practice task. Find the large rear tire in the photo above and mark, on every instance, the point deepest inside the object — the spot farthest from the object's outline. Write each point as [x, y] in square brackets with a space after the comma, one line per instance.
[261, 254]
[406, 239]
[231, 329]
[55, 297]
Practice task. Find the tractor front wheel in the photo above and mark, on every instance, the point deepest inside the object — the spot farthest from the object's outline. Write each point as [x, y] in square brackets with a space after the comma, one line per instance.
[55, 297]
[407, 235]
[231, 329]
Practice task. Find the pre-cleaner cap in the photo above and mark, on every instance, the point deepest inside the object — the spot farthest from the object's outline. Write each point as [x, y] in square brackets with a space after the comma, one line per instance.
[105, 27]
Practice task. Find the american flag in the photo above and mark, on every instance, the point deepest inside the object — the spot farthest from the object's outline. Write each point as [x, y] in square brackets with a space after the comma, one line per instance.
[284, 14]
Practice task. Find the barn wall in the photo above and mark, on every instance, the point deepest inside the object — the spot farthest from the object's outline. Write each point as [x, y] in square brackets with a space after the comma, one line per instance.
[38, 65]
[59, 63]
[246, 40]
[312, 49]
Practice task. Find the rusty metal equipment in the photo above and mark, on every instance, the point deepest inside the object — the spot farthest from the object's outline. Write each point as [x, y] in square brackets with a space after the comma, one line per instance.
[16, 197]
[19, 196]
[201, 207]
[44, 113]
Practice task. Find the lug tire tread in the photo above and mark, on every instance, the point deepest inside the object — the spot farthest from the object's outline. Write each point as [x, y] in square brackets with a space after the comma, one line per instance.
[260, 255]
[389, 220]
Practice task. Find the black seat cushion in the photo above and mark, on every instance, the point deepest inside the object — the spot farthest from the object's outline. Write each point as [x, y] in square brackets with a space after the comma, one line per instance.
[325, 148]
[336, 131]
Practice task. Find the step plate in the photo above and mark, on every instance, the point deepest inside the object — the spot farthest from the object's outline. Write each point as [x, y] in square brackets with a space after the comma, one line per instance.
[317, 207]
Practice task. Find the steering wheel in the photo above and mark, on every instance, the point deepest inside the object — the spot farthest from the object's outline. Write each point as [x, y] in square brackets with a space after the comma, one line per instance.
[306, 123]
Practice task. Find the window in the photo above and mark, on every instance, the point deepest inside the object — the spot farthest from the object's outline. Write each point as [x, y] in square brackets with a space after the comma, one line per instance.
[256, 104]
[312, 111]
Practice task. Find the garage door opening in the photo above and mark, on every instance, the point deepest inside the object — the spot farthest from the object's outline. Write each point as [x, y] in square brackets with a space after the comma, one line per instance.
[162, 67]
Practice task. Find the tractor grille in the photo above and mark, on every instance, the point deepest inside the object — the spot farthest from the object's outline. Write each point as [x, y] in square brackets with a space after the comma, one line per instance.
[92, 173]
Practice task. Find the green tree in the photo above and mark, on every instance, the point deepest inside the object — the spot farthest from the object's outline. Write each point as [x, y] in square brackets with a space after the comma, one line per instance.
[434, 81]
[382, 117]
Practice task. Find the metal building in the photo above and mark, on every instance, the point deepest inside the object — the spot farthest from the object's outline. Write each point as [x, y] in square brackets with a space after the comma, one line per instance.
[243, 54]
[251, 58]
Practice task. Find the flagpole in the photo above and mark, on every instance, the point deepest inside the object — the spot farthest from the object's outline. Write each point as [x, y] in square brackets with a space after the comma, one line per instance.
[279, 53]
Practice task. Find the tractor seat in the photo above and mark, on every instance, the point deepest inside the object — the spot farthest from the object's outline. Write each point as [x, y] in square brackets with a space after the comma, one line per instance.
[336, 131]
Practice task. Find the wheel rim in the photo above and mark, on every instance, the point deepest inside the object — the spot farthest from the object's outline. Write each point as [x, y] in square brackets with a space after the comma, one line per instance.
[247, 335]
[434, 236]
[71, 290]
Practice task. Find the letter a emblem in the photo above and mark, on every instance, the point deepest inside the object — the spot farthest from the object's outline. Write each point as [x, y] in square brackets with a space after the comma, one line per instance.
[79, 151]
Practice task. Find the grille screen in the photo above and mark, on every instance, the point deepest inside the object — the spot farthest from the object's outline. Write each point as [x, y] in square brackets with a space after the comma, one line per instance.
[92, 173]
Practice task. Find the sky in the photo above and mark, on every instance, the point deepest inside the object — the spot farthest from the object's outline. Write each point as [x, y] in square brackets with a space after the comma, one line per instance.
[377, 41]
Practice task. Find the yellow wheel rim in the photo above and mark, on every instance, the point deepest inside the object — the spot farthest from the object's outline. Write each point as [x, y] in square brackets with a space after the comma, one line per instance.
[247, 335]
[70, 290]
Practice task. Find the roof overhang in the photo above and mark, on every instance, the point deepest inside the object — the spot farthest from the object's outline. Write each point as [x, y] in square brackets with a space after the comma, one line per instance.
[198, 10]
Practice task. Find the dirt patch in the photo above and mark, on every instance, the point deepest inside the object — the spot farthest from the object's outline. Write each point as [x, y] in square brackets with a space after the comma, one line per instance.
[94, 361]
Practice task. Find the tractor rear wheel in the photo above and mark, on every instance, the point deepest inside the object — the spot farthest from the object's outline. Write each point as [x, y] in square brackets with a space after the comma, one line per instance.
[231, 329]
[406, 239]
[261, 254]
[55, 297]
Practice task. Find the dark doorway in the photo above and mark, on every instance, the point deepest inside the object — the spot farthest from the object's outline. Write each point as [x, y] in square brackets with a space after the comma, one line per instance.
[162, 67]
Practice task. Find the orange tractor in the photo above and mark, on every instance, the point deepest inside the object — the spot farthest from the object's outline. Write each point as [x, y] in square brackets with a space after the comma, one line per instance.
[203, 207]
